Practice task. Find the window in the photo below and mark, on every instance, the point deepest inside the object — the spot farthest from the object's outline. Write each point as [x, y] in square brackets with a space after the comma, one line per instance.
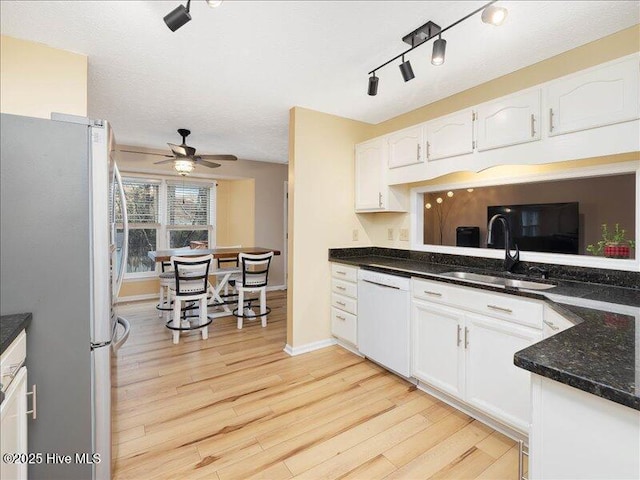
[188, 212]
[142, 211]
[165, 214]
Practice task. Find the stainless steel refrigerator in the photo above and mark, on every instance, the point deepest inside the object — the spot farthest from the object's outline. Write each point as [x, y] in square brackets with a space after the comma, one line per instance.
[59, 259]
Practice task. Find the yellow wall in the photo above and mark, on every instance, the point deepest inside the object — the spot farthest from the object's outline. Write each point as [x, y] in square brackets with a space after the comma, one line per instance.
[37, 80]
[321, 156]
[321, 213]
[235, 212]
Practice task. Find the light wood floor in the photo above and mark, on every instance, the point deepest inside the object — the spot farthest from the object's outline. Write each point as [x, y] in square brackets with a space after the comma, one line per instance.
[236, 406]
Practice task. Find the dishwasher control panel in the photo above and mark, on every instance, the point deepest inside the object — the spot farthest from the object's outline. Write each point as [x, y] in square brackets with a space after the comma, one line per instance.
[384, 279]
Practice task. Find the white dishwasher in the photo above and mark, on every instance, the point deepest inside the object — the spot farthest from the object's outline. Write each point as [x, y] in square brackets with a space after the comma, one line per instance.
[384, 304]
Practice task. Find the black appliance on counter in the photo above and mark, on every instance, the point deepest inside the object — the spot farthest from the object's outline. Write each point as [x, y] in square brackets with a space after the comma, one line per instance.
[468, 237]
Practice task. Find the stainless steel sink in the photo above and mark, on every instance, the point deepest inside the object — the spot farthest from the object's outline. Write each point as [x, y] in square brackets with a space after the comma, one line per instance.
[497, 281]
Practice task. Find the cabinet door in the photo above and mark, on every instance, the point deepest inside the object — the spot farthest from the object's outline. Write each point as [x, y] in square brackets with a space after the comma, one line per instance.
[437, 354]
[369, 176]
[509, 121]
[598, 97]
[13, 431]
[405, 147]
[449, 136]
[493, 383]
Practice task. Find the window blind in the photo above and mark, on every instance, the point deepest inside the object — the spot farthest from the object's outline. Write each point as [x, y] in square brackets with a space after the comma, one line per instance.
[142, 201]
[188, 204]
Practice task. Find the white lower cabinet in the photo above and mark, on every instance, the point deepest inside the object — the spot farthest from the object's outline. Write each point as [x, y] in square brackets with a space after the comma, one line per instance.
[468, 354]
[493, 383]
[344, 302]
[437, 357]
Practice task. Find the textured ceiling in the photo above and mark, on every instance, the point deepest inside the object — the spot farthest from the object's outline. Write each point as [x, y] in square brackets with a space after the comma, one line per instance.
[232, 73]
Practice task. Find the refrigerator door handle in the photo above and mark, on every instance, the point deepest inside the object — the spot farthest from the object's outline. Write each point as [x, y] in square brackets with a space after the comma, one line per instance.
[125, 224]
[115, 345]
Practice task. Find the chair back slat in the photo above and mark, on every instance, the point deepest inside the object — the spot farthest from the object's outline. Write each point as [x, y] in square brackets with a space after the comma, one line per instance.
[192, 274]
[255, 269]
[229, 261]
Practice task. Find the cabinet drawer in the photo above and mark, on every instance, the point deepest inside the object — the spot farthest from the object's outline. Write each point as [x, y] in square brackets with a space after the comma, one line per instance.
[497, 305]
[12, 359]
[344, 288]
[344, 325]
[344, 303]
[344, 272]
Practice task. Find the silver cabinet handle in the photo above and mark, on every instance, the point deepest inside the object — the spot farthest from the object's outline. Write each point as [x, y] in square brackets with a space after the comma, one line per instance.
[340, 287]
[340, 272]
[34, 396]
[459, 339]
[550, 120]
[418, 153]
[428, 150]
[500, 309]
[533, 127]
[434, 294]
[466, 337]
[341, 303]
[339, 317]
[380, 199]
[551, 325]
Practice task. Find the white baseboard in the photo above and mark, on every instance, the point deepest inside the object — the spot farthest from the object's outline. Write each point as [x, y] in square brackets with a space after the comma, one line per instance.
[137, 298]
[276, 287]
[309, 347]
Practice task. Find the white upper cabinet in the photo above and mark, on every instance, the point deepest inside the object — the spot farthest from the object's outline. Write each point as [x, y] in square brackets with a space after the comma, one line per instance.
[372, 192]
[449, 136]
[597, 97]
[369, 175]
[509, 121]
[405, 147]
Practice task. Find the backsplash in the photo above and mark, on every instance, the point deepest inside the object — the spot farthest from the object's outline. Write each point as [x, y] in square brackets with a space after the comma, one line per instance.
[618, 278]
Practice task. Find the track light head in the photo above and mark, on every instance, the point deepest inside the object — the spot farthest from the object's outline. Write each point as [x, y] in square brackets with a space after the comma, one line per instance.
[178, 17]
[406, 70]
[494, 15]
[373, 85]
[439, 47]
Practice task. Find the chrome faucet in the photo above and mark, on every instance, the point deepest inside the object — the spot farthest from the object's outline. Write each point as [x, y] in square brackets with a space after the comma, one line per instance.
[509, 260]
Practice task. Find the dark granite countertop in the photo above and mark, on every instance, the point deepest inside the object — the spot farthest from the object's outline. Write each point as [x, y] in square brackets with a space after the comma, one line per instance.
[10, 327]
[596, 355]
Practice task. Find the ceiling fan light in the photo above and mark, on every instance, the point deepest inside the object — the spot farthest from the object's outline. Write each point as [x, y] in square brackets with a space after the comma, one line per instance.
[177, 17]
[183, 167]
[494, 15]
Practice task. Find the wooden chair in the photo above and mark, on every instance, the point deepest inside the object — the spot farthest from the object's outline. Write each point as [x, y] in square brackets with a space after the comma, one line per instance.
[255, 274]
[224, 263]
[167, 281]
[191, 284]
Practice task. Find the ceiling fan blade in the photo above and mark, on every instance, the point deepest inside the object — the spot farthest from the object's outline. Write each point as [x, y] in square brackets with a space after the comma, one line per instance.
[146, 153]
[165, 161]
[200, 161]
[219, 157]
[182, 150]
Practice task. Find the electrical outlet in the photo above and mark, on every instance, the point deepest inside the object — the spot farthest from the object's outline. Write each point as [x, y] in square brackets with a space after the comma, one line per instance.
[354, 235]
[404, 234]
[390, 234]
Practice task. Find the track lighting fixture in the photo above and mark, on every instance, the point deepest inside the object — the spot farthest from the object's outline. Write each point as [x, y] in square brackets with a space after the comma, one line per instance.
[490, 14]
[180, 15]
[439, 47]
[494, 15]
[373, 85]
[406, 70]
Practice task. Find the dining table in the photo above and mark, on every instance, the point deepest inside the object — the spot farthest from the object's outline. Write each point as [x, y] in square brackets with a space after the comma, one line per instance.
[223, 275]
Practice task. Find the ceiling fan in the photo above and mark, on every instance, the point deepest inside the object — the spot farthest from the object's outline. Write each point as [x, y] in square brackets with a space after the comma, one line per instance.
[184, 157]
